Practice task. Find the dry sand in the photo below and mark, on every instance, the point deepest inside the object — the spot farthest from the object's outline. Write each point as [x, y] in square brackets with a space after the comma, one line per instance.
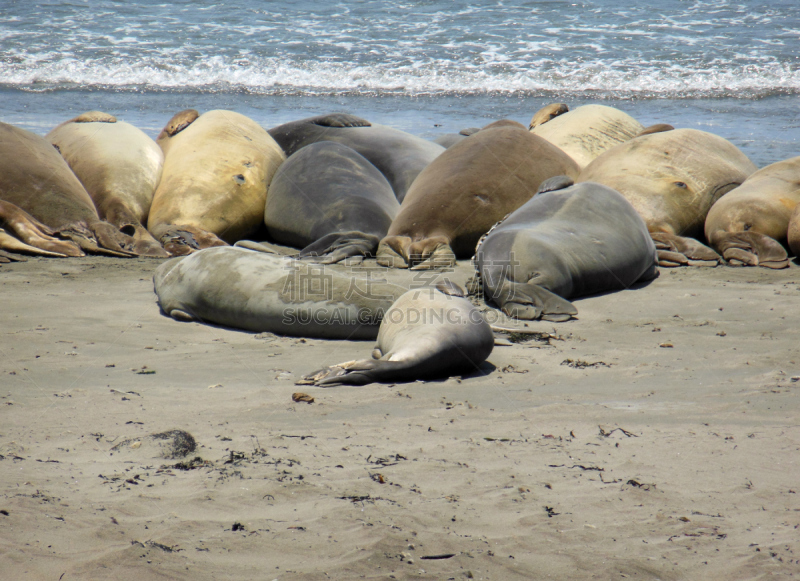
[672, 455]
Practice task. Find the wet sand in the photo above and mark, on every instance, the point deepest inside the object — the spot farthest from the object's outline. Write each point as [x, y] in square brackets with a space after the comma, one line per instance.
[656, 437]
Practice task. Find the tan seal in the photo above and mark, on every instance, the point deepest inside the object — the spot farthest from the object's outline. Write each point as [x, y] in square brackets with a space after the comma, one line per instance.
[120, 166]
[214, 185]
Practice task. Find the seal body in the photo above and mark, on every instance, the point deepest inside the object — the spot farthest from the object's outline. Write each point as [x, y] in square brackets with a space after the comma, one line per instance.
[581, 240]
[255, 291]
[36, 179]
[466, 190]
[330, 201]
[673, 178]
[425, 334]
[750, 224]
[586, 131]
[214, 185]
[120, 167]
[398, 155]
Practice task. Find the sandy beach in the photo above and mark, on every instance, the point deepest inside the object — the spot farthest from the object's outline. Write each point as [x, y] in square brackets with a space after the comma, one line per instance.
[655, 437]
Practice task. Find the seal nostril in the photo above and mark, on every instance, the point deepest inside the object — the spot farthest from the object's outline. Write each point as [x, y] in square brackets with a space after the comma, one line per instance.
[239, 178]
[128, 229]
[747, 227]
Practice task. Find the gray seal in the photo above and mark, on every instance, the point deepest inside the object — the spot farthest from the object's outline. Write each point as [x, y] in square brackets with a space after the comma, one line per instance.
[257, 291]
[330, 201]
[580, 240]
[427, 333]
[398, 155]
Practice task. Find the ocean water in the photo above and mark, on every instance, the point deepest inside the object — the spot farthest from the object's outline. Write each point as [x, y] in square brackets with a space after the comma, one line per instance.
[427, 67]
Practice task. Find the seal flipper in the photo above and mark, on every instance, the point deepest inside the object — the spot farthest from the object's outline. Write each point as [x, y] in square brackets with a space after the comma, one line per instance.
[340, 120]
[359, 372]
[750, 249]
[676, 250]
[531, 302]
[554, 184]
[179, 240]
[31, 235]
[428, 253]
[337, 246]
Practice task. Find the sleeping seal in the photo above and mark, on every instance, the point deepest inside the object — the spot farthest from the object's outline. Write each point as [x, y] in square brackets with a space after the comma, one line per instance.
[120, 167]
[750, 224]
[576, 241]
[35, 179]
[330, 201]
[217, 168]
[467, 189]
[255, 291]
[427, 333]
[673, 178]
[398, 155]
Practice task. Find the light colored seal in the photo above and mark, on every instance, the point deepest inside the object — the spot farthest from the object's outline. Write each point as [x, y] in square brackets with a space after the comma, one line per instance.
[749, 225]
[673, 178]
[214, 185]
[330, 201]
[398, 155]
[120, 166]
[35, 179]
[256, 291]
[426, 334]
[581, 240]
[586, 131]
[465, 191]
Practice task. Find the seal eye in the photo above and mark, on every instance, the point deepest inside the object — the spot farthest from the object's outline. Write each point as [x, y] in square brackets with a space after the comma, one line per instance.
[682, 185]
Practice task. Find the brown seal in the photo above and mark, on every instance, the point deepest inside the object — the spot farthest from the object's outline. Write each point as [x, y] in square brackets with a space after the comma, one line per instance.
[463, 192]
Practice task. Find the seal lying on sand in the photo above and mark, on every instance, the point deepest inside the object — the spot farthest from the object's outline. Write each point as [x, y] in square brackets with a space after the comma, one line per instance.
[466, 190]
[576, 241]
[427, 333]
[120, 167]
[36, 179]
[586, 131]
[258, 292]
[398, 155]
[749, 225]
[214, 185]
[673, 178]
[331, 201]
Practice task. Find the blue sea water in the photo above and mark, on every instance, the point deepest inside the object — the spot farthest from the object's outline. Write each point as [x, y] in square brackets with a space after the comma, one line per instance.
[428, 67]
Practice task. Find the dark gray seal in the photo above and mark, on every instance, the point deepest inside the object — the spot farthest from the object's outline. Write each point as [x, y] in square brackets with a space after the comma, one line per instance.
[256, 291]
[576, 241]
[398, 155]
[330, 201]
[427, 333]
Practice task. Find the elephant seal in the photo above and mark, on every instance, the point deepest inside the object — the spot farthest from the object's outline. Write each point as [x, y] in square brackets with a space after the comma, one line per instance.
[750, 224]
[214, 185]
[35, 178]
[587, 131]
[580, 240]
[120, 167]
[547, 113]
[425, 334]
[673, 178]
[257, 291]
[26, 235]
[450, 139]
[328, 199]
[398, 155]
[466, 190]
